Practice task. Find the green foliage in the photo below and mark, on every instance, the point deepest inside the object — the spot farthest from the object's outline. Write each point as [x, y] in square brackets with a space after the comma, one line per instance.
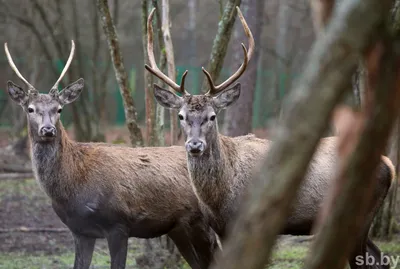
[65, 260]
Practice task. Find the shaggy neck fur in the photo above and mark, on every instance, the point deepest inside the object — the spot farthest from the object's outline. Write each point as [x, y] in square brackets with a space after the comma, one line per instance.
[212, 171]
[47, 157]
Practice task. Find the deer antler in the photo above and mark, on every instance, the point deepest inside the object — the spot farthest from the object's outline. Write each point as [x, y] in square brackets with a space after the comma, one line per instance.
[31, 89]
[153, 66]
[54, 89]
[247, 55]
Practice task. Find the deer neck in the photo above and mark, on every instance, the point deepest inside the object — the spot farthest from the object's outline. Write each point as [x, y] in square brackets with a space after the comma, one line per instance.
[211, 174]
[47, 158]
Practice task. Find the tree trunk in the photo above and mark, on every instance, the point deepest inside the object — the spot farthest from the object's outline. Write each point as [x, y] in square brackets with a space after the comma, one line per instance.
[190, 41]
[238, 118]
[169, 50]
[384, 220]
[265, 208]
[160, 111]
[120, 73]
[83, 103]
[98, 89]
[282, 67]
[151, 128]
[221, 42]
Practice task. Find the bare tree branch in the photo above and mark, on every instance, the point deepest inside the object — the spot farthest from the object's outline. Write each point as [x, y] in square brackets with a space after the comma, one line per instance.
[30, 25]
[49, 26]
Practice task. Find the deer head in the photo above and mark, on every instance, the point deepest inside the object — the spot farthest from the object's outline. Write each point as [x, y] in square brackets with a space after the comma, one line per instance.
[197, 113]
[43, 110]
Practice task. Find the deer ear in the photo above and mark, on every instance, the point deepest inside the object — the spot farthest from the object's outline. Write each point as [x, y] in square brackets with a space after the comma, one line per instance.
[71, 92]
[166, 98]
[17, 94]
[227, 97]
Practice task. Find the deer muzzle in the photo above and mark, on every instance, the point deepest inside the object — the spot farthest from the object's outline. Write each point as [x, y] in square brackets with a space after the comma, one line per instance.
[48, 131]
[195, 147]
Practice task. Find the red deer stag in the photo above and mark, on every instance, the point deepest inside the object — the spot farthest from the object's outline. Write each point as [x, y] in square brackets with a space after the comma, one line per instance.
[104, 191]
[220, 167]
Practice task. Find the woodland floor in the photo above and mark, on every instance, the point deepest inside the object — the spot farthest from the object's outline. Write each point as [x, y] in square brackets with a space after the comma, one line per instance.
[24, 205]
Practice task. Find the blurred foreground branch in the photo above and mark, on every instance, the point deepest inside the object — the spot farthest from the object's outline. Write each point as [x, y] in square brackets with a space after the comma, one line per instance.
[322, 10]
[332, 61]
[357, 172]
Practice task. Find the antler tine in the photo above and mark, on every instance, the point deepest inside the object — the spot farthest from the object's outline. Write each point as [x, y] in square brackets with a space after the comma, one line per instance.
[247, 55]
[153, 65]
[14, 67]
[248, 33]
[216, 89]
[71, 56]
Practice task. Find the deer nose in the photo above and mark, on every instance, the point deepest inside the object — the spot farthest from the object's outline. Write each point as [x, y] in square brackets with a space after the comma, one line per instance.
[48, 131]
[195, 146]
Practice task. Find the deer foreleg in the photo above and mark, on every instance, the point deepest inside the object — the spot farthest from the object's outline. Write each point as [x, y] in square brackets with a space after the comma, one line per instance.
[84, 247]
[118, 245]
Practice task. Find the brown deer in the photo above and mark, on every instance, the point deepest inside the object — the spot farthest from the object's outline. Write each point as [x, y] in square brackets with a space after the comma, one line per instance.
[220, 167]
[104, 191]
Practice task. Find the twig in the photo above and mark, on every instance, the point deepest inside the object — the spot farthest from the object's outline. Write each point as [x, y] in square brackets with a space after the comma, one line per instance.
[6, 176]
[33, 230]
[15, 168]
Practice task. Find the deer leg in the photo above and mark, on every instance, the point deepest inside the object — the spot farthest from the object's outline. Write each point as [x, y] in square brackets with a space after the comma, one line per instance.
[84, 247]
[375, 251]
[181, 239]
[196, 242]
[205, 242]
[357, 259]
[368, 256]
[117, 240]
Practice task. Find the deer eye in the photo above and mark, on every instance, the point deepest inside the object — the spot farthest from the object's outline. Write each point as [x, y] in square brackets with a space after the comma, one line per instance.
[59, 110]
[30, 110]
[180, 117]
[212, 118]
